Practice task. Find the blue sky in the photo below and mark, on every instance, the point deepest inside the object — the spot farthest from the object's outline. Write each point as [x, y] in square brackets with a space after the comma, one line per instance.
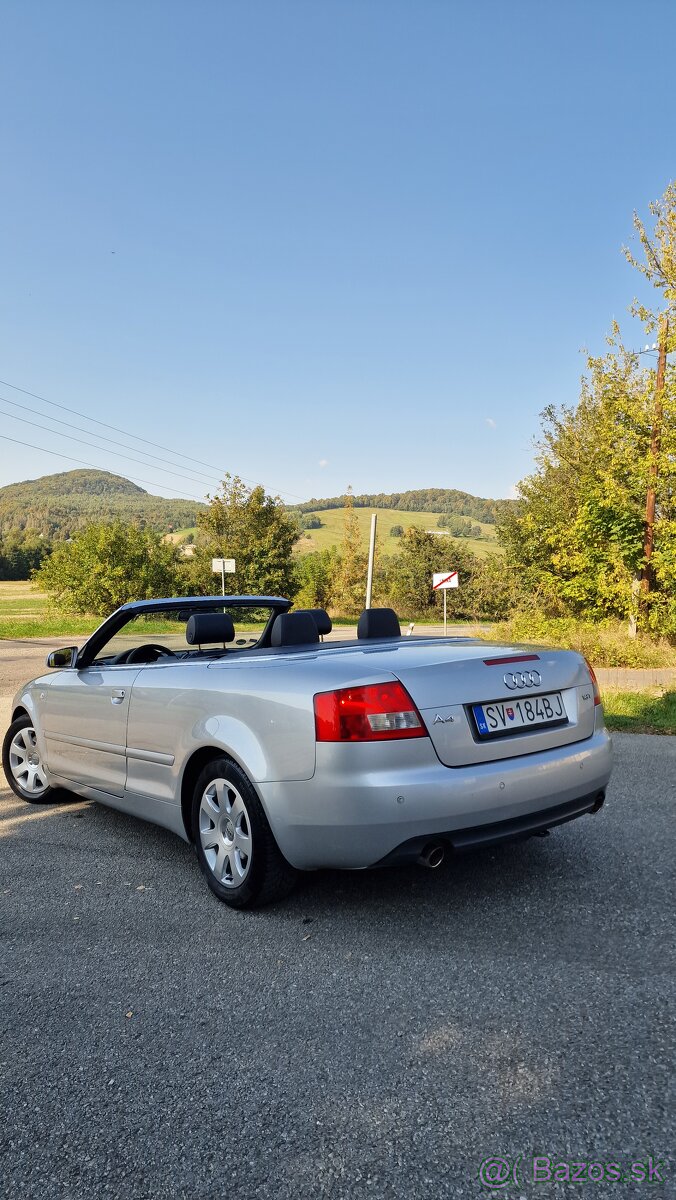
[319, 243]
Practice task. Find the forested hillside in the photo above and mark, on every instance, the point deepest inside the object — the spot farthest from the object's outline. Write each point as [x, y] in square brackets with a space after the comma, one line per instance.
[56, 506]
[436, 500]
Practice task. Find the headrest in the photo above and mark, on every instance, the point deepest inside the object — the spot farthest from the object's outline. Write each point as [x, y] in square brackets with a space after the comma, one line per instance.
[294, 629]
[204, 628]
[378, 623]
[320, 617]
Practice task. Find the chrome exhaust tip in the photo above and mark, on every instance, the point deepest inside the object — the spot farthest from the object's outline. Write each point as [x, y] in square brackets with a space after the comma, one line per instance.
[431, 856]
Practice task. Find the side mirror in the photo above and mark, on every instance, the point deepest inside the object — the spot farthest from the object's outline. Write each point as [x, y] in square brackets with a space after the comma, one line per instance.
[63, 658]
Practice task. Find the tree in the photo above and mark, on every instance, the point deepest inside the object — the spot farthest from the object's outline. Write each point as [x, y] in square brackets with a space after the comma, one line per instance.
[493, 592]
[253, 528]
[397, 531]
[659, 268]
[577, 532]
[606, 473]
[410, 575]
[310, 521]
[21, 553]
[107, 565]
[659, 257]
[459, 526]
[316, 575]
[350, 589]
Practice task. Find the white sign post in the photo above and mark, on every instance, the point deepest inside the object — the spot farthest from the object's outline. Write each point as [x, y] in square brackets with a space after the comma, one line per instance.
[223, 567]
[441, 582]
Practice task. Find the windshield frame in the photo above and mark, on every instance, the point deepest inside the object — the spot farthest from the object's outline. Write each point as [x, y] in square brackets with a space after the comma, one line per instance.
[190, 604]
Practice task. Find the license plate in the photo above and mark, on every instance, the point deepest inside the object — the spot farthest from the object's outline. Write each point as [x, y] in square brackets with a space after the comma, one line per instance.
[505, 716]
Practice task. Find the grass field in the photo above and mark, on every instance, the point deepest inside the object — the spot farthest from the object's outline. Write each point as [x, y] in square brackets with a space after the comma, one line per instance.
[331, 531]
[24, 613]
[180, 535]
[652, 711]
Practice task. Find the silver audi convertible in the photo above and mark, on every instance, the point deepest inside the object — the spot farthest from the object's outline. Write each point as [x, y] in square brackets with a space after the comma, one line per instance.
[233, 722]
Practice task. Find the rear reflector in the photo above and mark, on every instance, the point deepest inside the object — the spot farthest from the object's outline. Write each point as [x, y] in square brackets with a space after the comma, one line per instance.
[595, 682]
[380, 712]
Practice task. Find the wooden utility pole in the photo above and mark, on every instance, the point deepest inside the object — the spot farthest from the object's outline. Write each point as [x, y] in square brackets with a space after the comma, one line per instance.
[372, 554]
[655, 446]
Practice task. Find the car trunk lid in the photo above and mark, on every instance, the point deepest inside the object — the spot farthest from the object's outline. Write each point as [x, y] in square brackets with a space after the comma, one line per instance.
[446, 690]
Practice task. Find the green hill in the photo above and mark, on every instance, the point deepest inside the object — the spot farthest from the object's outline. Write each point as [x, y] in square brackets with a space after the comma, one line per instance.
[422, 508]
[56, 506]
[428, 500]
[330, 532]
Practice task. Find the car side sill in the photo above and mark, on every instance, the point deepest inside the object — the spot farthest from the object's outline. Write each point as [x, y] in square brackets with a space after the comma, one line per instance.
[147, 808]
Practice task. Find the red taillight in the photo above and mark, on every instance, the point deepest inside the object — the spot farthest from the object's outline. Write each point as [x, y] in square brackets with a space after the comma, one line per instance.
[377, 713]
[595, 682]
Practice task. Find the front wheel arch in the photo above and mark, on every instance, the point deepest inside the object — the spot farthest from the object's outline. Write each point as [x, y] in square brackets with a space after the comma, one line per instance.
[29, 783]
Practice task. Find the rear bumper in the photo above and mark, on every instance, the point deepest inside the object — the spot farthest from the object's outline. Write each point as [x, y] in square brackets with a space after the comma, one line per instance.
[491, 834]
[366, 801]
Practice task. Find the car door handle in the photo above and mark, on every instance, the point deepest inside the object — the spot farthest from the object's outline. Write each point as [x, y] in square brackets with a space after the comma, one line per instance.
[117, 696]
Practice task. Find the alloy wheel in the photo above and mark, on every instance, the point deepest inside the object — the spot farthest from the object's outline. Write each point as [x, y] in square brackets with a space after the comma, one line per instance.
[225, 833]
[25, 762]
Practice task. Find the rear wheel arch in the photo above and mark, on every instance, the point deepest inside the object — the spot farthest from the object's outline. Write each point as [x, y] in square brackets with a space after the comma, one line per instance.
[191, 773]
[235, 846]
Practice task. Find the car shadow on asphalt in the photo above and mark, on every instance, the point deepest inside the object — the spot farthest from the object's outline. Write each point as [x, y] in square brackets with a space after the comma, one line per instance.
[465, 885]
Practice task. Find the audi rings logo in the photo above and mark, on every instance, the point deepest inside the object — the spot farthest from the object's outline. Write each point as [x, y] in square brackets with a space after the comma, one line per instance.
[521, 679]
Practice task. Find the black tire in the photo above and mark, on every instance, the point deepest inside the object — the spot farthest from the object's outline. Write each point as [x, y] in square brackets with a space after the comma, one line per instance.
[243, 865]
[36, 793]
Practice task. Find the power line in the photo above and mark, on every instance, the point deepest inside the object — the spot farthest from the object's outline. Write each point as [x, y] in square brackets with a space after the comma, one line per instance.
[105, 425]
[135, 436]
[93, 446]
[69, 425]
[5, 437]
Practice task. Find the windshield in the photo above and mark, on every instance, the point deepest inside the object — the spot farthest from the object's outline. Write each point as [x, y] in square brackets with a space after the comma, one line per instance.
[167, 630]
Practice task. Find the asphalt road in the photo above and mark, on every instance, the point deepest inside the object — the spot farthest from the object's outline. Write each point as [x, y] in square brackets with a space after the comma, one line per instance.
[377, 1035]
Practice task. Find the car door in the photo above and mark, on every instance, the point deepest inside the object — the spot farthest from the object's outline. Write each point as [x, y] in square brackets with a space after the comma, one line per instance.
[84, 721]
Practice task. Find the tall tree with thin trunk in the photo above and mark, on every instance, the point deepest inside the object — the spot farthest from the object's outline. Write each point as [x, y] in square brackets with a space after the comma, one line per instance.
[350, 589]
[601, 506]
[658, 265]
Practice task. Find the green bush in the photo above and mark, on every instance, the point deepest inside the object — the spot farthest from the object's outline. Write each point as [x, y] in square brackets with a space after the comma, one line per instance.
[106, 565]
[605, 644]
